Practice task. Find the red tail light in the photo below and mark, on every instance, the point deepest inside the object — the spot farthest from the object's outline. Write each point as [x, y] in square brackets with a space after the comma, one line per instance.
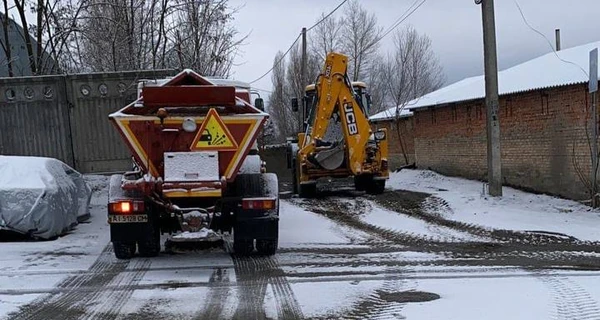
[127, 207]
[258, 204]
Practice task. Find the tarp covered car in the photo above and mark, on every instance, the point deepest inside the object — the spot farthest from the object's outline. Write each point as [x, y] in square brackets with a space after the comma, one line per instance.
[41, 197]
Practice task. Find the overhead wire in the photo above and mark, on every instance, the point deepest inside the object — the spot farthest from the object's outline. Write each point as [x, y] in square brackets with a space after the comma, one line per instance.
[402, 18]
[547, 40]
[278, 61]
[298, 38]
[327, 16]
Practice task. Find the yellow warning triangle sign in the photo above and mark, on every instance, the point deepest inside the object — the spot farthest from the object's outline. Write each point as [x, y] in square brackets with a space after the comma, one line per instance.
[213, 134]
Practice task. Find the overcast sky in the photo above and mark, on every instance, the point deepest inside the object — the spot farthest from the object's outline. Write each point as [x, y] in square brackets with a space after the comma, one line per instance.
[454, 27]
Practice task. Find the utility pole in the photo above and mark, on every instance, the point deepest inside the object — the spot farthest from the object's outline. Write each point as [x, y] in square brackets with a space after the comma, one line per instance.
[303, 77]
[593, 89]
[494, 156]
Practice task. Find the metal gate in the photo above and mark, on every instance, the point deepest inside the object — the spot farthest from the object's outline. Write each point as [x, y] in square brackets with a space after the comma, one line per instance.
[66, 117]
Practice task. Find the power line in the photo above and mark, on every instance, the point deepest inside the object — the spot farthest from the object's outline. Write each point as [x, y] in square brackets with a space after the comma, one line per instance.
[279, 61]
[548, 41]
[327, 16]
[402, 18]
[295, 41]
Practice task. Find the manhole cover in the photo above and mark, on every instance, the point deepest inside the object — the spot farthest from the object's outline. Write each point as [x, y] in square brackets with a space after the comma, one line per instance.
[408, 296]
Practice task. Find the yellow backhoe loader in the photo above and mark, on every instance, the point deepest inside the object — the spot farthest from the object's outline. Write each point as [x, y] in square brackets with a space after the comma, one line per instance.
[337, 141]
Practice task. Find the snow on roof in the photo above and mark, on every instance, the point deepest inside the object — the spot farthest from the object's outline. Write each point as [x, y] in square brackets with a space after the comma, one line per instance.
[391, 114]
[542, 72]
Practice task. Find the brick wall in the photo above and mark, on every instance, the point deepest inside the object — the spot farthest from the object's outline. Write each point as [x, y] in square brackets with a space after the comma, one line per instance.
[401, 140]
[543, 140]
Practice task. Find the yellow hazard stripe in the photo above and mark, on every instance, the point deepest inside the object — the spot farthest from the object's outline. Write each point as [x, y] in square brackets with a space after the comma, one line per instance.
[124, 124]
[184, 194]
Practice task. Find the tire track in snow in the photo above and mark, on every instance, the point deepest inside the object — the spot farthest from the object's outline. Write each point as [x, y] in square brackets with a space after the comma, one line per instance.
[66, 305]
[341, 211]
[112, 301]
[219, 291]
[254, 274]
[432, 209]
[376, 305]
[571, 301]
[72, 303]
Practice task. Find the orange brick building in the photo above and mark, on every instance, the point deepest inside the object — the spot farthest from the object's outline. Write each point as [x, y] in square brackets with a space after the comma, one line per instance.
[544, 112]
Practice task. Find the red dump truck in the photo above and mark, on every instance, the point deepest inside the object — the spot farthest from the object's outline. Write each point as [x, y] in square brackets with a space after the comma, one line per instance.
[196, 173]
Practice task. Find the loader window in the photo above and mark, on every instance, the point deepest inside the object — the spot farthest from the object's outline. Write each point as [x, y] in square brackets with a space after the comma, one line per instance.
[310, 100]
[362, 97]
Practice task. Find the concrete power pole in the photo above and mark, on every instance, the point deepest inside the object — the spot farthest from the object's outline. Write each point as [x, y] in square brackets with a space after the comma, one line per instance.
[303, 76]
[593, 88]
[494, 156]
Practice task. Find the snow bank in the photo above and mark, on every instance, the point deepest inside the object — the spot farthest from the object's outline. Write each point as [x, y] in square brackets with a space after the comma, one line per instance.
[516, 210]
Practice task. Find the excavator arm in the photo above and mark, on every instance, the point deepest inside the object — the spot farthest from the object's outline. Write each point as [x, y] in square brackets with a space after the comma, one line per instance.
[335, 94]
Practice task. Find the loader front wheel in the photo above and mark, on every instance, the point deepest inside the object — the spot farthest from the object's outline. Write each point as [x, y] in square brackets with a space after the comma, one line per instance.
[375, 186]
[359, 183]
[294, 177]
[124, 250]
[307, 190]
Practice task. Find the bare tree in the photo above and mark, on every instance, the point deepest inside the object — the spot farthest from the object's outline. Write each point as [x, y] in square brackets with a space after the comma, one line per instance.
[287, 84]
[326, 37]
[360, 38]
[277, 106]
[21, 5]
[99, 35]
[6, 43]
[412, 70]
[205, 39]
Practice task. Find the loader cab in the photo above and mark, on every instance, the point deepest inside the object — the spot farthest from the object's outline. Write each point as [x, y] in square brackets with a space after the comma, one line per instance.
[309, 101]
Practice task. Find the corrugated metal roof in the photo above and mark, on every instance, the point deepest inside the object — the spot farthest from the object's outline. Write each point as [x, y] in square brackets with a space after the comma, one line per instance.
[570, 67]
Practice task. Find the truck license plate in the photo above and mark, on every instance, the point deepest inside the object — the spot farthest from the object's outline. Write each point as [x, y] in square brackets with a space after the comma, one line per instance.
[127, 218]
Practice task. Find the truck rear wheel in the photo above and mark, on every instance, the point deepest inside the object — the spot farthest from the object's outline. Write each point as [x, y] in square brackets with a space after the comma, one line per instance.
[259, 225]
[150, 247]
[243, 247]
[266, 247]
[124, 250]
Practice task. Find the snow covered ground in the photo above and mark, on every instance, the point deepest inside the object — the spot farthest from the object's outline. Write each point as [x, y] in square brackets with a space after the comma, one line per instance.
[347, 256]
[516, 210]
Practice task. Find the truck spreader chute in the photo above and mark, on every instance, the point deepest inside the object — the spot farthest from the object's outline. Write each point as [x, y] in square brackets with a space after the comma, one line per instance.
[189, 139]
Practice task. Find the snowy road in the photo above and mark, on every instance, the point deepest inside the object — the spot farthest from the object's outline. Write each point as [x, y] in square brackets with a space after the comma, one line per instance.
[430, 248]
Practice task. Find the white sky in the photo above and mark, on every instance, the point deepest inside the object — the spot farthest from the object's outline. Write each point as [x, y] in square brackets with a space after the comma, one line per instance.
[454, 27]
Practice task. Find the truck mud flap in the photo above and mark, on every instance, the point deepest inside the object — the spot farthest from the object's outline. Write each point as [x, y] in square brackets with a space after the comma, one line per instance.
[257, 228]
[129, 232]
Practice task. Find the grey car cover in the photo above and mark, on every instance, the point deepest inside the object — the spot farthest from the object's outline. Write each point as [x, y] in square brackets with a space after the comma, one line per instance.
[41, 197]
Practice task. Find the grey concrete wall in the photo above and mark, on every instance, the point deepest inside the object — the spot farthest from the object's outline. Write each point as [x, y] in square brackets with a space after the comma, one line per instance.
[66, 117]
